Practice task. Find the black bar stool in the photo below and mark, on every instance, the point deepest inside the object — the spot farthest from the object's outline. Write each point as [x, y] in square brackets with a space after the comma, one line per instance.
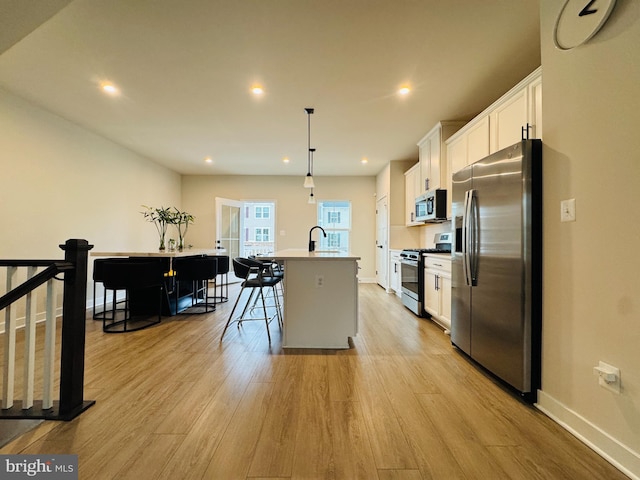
[132, 276]
[98, 277]
[193, 274]
[223, 283]
[256, 277]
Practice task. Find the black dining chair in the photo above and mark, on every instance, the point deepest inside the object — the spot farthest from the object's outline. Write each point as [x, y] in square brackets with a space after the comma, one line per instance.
[144, 279]
[192, 276]
[255, 275]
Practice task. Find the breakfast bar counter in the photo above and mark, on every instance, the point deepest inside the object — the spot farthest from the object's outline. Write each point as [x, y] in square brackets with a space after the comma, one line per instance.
[320, 298]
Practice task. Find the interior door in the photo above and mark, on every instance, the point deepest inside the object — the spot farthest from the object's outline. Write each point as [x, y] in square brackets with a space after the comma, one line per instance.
[382, 251]
[229, 225]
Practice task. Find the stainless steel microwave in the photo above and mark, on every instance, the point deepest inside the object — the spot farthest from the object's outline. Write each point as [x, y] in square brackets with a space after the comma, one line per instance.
[432, 206]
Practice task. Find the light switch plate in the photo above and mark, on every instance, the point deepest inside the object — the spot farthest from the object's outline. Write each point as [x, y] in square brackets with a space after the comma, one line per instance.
[568, 210]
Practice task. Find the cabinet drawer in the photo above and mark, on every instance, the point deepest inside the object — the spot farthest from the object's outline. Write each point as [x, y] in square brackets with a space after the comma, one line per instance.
[438, 263]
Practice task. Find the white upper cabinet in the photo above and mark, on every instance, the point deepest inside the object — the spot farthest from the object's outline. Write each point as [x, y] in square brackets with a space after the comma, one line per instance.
[433, 162]
[517, 115]
[478, 144]
[464, 149]
[429, 173]
[535, 106]
[508, 120]
[457, 156]
[514, 116]
[412, 190]
[502, 124]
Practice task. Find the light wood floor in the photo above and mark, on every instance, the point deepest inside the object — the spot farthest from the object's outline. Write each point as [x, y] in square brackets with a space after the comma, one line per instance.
[174, 403]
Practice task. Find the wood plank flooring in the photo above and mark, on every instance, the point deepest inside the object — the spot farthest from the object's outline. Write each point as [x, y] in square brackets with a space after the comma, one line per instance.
[172, 402]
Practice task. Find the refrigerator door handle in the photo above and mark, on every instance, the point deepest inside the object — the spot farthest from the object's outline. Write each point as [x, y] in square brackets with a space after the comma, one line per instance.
[466, 236]
[473, 238]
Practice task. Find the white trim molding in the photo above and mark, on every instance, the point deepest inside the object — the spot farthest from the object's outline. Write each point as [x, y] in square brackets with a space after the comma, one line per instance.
[619, 455]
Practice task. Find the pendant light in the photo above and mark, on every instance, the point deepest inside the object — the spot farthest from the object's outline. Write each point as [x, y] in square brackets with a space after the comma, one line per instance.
[308, 180]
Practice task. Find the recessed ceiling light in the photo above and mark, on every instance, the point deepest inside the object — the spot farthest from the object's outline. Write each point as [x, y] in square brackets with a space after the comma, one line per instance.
[257, 90]
[208, 160]
[404, 90]
[364, 160]
[109, 88]
[285, 160]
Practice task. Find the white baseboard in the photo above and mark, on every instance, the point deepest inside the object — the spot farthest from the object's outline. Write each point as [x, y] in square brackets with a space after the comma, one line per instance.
[40, 317]
[366, 280]
[619, 455]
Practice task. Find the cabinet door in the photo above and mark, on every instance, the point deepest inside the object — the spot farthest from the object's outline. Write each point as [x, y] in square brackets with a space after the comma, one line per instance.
[426, 172]
[397, 279]
[478, 141]
[445, 301]
[507, 121]
[411, 184]
[435, 180]
[457, 154]
[394, 271]
[535, 108]
[431, 294]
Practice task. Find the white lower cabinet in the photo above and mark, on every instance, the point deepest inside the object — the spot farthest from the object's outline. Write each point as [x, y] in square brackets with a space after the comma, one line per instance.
[437, 289]
[395, 277]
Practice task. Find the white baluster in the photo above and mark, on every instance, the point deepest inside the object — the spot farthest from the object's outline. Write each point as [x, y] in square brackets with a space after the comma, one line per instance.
[49, 346]
[9, 345]
[29, 344]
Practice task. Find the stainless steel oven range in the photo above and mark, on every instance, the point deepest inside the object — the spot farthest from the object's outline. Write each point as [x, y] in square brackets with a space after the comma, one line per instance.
[412, 272]
[412, 288]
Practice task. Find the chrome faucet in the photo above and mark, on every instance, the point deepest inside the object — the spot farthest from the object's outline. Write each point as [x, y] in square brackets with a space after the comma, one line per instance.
[312, 243]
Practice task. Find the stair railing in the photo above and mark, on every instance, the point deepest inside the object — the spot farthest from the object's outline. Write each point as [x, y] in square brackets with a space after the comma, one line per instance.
[71, 395]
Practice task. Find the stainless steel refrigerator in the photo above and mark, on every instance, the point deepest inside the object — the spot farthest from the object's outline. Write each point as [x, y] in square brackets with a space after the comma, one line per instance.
[497, 264]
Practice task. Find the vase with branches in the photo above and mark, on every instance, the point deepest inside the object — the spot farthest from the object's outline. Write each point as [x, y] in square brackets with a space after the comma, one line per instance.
[181, 220]
[161, 218]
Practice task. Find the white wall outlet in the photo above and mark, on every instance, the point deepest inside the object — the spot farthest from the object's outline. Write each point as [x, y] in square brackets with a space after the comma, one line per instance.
[319, 281]
[608, 376]
[568, 210]
[283, 233]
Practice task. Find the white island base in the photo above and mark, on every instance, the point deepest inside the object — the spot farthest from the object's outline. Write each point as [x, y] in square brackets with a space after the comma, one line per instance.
[320, 299]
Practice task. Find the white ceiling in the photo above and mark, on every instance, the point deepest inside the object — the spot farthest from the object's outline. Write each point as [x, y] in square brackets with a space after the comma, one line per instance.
[185, 69]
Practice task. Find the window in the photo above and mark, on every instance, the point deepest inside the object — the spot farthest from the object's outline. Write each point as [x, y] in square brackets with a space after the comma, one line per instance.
[262, 211]
[335, 218]
[262, 234]
[258, 227]
[333, 240]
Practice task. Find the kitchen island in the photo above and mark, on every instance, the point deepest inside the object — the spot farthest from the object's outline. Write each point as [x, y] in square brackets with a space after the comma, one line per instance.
[320, 298]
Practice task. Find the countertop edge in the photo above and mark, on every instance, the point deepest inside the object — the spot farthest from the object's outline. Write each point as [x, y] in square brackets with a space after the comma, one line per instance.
[295, 254]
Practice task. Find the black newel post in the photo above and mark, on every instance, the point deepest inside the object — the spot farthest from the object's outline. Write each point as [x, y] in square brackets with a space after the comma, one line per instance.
[73, 329]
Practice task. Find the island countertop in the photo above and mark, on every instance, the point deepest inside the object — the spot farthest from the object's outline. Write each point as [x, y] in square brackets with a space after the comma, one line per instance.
[304, 254]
